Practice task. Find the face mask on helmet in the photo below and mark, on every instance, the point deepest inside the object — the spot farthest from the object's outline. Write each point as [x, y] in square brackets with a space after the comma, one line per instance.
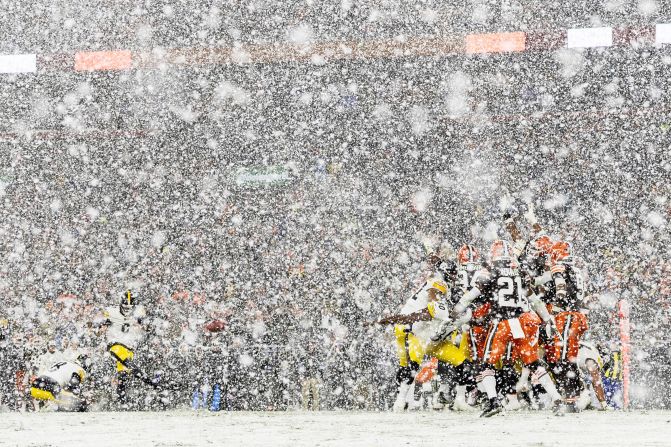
[467, 255]
[562, 252]
[540, 246]
[471, 266]
[500, 252]
[128, 302]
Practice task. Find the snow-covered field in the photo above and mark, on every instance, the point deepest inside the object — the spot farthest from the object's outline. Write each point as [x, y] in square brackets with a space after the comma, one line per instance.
[333, 429]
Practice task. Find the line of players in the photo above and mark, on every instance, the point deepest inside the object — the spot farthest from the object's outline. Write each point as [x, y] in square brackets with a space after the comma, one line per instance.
[60, 384]
[488, 321]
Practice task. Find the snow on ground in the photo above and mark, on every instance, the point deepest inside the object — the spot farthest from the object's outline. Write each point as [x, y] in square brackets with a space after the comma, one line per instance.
[298, 429]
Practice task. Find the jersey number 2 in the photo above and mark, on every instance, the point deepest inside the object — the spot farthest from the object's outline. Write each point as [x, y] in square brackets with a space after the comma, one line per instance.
[508, 296]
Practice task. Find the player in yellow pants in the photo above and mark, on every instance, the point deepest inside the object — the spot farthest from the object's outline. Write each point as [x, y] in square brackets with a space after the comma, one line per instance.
[61, 384]
[415, 326]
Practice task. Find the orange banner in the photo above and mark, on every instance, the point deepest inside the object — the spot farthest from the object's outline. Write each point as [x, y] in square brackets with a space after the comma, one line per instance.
[495, 43]
[103, 60]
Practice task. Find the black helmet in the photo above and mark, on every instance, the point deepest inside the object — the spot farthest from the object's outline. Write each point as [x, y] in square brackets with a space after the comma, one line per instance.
[128, 301]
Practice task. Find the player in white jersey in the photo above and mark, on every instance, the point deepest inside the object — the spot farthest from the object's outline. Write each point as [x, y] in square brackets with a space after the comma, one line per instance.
[61, 384]
[590, 364]
[125, 331]
[416, 327]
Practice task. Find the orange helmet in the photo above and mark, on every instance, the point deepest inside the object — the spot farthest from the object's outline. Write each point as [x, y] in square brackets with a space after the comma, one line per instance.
[541, 245]
[501, 251]
[467, 254]
[561, 252]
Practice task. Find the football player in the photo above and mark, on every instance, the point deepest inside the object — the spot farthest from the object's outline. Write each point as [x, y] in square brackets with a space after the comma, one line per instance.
[124, 333]
[591, 365]
[565, 294]
[416, 329]
[468, 263]
[61, 384]
[533, 255]
[511, 322]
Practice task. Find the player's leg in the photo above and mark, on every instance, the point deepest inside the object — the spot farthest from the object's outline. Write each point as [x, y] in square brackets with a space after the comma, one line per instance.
[477, 339]
[597, 384]
[126, 363]
[445, 374]
[527, 348]
[455, 352]
[506, 381]
[416, 356]
[498, 337]
[572, 325]
[404, 373]
[465, 376]
[405, 376]
[123, 356]
[44, 389]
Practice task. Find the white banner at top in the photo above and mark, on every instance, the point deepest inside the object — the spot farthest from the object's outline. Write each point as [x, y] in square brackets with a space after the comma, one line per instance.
[590, 37]
[18, 63]
[663, 33]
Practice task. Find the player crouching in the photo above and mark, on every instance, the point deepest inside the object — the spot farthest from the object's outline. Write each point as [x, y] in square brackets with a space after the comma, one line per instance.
[61, 385]
[421, 333]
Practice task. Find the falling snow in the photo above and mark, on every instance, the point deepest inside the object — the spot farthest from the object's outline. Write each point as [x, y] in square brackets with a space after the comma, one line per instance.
[270, 178]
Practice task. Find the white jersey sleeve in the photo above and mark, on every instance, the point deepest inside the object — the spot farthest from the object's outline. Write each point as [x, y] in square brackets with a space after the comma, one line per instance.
[439, 310]
[417, 301]
[46, 361]
[420, 299]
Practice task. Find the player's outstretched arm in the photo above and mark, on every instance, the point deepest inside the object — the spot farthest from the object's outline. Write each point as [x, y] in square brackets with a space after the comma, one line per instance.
[420, 315]
[447, 327]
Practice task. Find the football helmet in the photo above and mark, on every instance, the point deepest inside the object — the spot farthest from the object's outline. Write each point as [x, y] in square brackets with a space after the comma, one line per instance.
[540, 245]
[501, 251]
[467, 254]
[128, 303]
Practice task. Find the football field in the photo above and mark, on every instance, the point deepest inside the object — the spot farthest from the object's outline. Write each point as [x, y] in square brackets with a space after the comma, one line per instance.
[187, 428]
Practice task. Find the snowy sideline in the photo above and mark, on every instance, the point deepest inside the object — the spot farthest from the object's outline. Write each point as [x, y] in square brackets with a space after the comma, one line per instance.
[186, 428]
